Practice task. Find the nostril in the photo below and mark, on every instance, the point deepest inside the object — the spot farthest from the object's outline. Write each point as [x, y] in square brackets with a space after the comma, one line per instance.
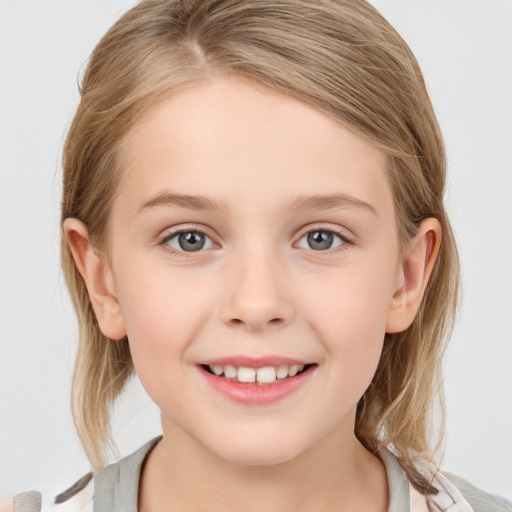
[253, 325]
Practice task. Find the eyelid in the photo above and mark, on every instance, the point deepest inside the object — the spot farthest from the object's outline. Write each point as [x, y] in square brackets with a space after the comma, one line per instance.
[169, 233]
[336, 243]
[343, 233]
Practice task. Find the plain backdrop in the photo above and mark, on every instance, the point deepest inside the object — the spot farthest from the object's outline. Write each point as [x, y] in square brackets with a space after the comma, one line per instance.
[465, 50]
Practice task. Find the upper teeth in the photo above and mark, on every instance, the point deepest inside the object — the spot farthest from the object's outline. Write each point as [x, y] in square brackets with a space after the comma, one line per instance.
[265, 375]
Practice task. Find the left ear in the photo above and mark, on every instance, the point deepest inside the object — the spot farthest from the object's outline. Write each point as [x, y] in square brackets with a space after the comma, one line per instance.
[418, 261]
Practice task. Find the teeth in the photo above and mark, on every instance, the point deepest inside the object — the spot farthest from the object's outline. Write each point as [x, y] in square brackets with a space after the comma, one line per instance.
[282, 372]
[265, 375]
[294, 370]
[218, 370]
[246, 374]
[230, 372]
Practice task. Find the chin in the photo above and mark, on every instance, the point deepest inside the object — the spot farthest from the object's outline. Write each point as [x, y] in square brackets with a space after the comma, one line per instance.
[258, 452]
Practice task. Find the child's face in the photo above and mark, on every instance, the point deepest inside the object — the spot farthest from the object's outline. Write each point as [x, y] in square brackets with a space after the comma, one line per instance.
[288, 253]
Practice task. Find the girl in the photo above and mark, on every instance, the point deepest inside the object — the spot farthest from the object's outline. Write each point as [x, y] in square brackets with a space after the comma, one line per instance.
[253, 222]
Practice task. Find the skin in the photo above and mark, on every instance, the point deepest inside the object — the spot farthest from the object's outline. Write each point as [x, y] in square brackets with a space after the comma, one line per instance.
[258, 288]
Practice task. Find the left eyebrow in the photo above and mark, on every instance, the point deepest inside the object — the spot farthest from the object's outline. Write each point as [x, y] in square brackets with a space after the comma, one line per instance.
[192, 202]
[325, 202]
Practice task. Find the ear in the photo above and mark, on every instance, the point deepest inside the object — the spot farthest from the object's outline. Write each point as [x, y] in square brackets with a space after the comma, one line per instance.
[417, 264]
[98, 279]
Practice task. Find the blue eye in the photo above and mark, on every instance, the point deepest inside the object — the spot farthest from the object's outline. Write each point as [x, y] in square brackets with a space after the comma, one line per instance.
[320, 240]
[189, 241]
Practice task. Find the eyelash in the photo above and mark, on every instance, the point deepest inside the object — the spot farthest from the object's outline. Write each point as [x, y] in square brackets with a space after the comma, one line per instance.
[345, 240]
[164, 240]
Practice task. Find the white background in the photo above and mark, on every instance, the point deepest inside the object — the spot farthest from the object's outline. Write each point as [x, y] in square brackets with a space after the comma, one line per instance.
[465, 49]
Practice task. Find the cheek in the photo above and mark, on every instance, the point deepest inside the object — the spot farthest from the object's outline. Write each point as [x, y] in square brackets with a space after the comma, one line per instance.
[352, 301]
[348, 312]
[162, 321]
[162, 314]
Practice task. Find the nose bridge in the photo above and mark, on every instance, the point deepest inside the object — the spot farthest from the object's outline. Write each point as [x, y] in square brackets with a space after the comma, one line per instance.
[257, 297]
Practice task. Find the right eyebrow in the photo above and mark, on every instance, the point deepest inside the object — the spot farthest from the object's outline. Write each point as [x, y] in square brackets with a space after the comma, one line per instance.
[193, 202]
[326, 202]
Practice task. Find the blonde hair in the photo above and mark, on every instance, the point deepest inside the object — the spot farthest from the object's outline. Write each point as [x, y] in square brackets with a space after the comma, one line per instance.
[343, 58]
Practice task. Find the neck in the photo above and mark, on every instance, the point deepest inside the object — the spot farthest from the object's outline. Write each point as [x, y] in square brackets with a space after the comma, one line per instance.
[336, 474]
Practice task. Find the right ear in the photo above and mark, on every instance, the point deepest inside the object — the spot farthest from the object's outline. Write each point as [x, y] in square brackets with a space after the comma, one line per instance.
[98, 279]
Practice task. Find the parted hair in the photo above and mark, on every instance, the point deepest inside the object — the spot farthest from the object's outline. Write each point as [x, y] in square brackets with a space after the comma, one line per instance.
[339, 56]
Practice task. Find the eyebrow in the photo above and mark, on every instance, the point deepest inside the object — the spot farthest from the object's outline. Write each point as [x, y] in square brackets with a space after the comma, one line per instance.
[193, 202]
[326, 202]
[303, 201]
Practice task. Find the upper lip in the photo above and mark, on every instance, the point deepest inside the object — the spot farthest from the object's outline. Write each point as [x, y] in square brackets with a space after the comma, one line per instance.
[254, 362]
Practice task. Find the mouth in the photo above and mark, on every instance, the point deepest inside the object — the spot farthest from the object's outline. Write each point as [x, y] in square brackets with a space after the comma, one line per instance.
[262, 376]
[257, 385]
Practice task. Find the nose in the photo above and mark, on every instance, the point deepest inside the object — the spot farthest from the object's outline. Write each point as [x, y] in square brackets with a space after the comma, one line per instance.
[258, 297]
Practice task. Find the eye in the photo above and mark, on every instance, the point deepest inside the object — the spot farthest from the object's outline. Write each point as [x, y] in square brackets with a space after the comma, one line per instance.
[320, 240]
[188, 241]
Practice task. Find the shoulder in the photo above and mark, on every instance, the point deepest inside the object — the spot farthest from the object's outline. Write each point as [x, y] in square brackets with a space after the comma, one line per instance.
[479, 500]
[78, 498]
[454, 494]
[115, 487]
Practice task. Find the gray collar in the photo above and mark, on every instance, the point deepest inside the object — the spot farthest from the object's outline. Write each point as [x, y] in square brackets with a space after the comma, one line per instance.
[116, 486]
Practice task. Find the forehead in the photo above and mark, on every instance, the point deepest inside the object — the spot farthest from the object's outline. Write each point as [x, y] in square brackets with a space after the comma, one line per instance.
[238, 142]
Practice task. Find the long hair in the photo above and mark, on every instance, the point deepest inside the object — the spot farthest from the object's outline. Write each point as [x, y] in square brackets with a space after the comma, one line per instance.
[339, 56]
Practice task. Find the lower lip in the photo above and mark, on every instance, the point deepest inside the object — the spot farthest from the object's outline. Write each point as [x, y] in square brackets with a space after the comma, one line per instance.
[257, 394]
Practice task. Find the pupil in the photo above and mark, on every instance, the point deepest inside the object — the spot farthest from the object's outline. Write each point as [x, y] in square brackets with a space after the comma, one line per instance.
[320, 240]
[191, 241]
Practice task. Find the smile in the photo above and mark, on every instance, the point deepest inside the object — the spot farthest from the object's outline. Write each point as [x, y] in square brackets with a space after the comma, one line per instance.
[259, 384]
[265, 375]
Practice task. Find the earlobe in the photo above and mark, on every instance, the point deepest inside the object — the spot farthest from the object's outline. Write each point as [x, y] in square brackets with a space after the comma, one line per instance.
[418, 261]
[97, 277]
